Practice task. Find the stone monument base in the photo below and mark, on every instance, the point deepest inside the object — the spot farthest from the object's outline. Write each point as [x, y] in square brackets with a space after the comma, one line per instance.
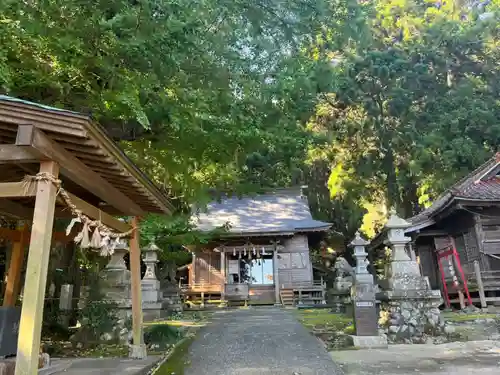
[137, 351]
[409, 315]
[153, 311]
[370, 342]
[7, 366]
[171, 299]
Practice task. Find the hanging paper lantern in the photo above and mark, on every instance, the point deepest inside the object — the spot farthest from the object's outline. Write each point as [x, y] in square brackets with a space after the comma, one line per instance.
[254, 252]
[263, 252]
[234, 251]
[239, 254]
[245, 251]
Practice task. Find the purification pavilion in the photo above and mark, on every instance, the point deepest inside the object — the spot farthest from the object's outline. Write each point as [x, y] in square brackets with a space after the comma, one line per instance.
[57, 163]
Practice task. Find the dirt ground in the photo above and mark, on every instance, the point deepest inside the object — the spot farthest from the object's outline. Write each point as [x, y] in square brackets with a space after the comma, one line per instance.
[458, 358]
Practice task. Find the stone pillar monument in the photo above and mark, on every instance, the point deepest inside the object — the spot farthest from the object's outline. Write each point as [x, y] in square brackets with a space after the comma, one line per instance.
[151, 303]
[117, 278]
[410, 310]
[117, 288]
[150, 283]
[363, 298]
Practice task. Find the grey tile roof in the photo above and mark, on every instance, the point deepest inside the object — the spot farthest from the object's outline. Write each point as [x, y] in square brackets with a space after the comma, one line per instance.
[481, 184]
[42, 106]
[277, 212]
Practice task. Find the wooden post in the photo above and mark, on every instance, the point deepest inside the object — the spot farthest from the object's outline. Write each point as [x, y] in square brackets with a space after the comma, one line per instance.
[15, 268]
[461, 299]
[223, 273]
[192, 282]
[30, 328]
[138, 349]
[480, 286]
[276, 277]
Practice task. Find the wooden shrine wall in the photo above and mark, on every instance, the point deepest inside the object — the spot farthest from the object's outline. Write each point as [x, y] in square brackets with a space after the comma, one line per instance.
[262, 293]
[208, 269]
[294, 262]
[489, 238]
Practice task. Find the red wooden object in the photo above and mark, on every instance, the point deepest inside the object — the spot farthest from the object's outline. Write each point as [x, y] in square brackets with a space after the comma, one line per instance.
[445, 252]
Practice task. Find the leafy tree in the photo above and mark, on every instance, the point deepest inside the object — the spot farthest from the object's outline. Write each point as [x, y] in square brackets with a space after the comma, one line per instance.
[413, 107]
[191, 87]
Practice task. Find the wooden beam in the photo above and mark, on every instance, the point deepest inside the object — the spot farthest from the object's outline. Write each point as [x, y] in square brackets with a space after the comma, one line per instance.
[30, 328]
[15, 210]
[138, 348]
[97, 214]
[14, 235]
[44, 148]
[15, 268]
[17, 190]
[15, 154]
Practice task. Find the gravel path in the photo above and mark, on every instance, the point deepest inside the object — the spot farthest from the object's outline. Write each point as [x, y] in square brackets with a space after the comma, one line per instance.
[258, 341]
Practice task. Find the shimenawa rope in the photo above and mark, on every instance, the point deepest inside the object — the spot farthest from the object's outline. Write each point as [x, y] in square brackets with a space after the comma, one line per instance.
[102, 239]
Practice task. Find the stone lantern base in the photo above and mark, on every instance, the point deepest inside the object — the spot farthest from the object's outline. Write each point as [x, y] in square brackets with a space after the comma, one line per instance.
[410, 316]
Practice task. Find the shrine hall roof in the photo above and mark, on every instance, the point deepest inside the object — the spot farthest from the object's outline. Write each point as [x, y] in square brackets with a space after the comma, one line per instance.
[482, 185]
[282, 211]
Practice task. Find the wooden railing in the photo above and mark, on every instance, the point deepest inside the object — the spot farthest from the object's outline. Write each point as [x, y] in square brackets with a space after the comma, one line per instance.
[482, 282]
[316, 284]
[202, 287]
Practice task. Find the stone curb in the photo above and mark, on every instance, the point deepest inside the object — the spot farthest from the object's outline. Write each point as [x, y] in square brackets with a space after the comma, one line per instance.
[54, 368]
[150, 368]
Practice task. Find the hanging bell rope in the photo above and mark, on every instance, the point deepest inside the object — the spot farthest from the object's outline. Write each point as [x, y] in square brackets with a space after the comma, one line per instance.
[102, 239]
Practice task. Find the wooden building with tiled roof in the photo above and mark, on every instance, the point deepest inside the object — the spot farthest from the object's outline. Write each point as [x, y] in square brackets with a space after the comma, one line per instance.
[466, 215]
[264, 256]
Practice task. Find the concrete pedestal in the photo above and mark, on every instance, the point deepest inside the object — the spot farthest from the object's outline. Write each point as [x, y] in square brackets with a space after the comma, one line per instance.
[370, 342]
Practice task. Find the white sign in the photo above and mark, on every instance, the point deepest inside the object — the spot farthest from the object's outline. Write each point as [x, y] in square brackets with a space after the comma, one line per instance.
[233, 267]
[364, 304]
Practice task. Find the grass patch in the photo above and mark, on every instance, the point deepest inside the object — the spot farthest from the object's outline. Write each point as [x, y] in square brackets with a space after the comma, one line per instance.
[104, 350]
[459, 317]
[159, 336]
[65, 349]
[178, 360]
[323, 319]
[333, 329]
[187, 319]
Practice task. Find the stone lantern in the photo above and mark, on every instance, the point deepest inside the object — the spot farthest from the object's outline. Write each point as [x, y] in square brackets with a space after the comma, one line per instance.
[150, 283]
[360, 254]
[117, 276]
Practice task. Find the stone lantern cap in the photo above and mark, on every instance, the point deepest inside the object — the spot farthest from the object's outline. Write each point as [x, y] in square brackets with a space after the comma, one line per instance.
[122, 245]
[150, 253]
[152, 247]
[395, 222]
[359, 241]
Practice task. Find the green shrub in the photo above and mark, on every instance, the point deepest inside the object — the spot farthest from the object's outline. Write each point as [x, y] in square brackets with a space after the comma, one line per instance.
[349, 330]
[98, 317]
[161, 335]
